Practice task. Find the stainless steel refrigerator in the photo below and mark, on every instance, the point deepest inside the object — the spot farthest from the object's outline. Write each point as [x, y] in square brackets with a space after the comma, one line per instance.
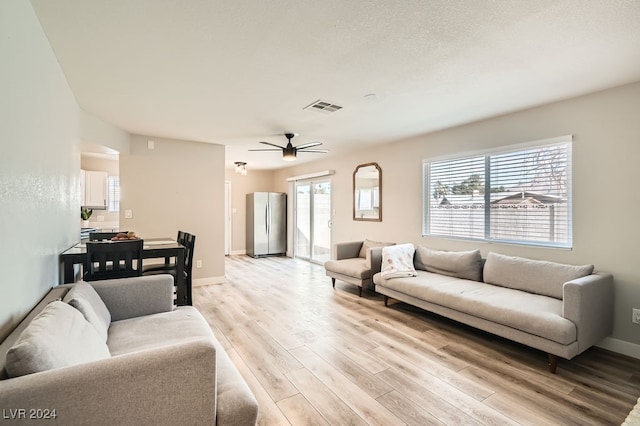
[266, 224]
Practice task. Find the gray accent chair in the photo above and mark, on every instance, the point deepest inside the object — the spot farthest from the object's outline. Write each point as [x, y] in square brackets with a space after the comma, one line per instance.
[355, 262]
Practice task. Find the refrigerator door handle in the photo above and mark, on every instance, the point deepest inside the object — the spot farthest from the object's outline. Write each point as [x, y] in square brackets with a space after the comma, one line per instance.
[266, 219]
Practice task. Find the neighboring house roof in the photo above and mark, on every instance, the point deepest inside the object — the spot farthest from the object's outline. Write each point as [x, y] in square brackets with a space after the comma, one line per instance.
[525, 197]
[511, 198]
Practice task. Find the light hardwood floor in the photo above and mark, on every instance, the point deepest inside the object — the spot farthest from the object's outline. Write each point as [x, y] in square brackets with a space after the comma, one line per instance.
[313, 355]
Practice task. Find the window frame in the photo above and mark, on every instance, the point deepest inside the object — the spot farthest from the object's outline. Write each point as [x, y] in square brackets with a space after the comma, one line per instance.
[487, 154]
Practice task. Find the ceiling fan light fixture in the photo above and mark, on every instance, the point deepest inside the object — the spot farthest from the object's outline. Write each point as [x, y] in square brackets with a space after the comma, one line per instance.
[241, 168]
[289, 154]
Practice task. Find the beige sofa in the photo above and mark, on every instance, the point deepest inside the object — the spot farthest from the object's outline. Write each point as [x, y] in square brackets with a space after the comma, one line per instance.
[559, 309]
[135, 359]
[355, 262]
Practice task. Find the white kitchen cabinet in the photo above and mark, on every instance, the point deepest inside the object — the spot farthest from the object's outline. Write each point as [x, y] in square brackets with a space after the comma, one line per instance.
[95, 190]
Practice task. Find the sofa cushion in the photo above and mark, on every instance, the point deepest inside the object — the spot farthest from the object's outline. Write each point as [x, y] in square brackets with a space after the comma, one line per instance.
[367, 244]
[235, 403]
[355, 267]
[397, 261]
[59, 336]
[182, 324]
[84, 298]
[531, 313]
[460, 264]
[533, 276]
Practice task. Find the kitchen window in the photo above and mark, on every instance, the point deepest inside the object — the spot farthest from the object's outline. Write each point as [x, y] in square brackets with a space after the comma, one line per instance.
[520, 194]
[113, 183]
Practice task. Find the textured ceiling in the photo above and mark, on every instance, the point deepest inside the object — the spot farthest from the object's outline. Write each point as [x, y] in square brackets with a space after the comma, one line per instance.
[239, 72]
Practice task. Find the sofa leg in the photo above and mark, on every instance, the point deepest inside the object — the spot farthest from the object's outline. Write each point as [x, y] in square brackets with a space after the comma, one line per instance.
[386, 300]
[553, 363]
[359, 291]
[333, 281]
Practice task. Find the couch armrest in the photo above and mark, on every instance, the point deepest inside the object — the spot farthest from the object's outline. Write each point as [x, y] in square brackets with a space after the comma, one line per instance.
[588, 303]
[374, 260]
[348, 250]
[138, 296]
[175, 384]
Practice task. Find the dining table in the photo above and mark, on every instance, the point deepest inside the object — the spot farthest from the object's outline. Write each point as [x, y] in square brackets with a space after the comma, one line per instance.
[152, 248]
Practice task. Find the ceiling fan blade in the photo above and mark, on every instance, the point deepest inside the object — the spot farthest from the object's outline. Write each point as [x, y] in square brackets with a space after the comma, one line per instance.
[321, 151]
[308, 145]
[266, 149]
[273, 144]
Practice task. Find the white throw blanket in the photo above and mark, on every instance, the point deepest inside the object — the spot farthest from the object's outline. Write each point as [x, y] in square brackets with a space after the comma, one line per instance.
[397, 261]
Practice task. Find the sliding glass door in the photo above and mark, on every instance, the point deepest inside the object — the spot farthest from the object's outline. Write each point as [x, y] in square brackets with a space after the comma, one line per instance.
[303, 220]
[313, 221]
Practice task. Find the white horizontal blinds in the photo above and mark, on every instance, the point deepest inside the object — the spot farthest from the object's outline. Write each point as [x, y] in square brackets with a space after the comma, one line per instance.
[530, 199]
[522, 195]
[456, 197]
[114, 193]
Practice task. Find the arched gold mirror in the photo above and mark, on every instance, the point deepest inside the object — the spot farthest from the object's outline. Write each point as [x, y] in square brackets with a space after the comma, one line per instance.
[367, 192]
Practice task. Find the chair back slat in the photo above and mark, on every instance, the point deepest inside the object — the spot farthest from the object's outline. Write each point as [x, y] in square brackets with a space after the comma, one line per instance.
[113, 259]
[181, 237]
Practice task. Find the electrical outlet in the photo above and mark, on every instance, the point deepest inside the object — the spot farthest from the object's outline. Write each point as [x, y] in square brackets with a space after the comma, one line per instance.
[199, 265]
[635, 316]
[128, 214]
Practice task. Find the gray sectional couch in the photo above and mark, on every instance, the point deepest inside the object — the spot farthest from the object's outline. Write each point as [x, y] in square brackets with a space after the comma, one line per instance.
[559, 309]
[119, 352]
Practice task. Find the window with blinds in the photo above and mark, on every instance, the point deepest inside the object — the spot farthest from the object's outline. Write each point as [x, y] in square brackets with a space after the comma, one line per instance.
[114, 193]
[521, 194]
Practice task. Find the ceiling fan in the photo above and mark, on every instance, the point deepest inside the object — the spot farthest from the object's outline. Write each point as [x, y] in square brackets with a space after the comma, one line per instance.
[290, 152]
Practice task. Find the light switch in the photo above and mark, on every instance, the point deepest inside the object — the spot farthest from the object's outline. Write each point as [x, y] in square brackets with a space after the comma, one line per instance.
[128, 214]
[151, 144]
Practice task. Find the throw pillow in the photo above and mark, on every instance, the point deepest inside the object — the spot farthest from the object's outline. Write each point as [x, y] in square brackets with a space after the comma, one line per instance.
[397, 261]
[460, 264]
[84, 298]
[367, 244]
[533, 276]
[57, 337]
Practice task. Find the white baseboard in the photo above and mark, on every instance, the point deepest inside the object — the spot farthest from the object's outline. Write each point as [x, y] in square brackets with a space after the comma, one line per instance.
[199, 282]
[237, 252]
[620, 346]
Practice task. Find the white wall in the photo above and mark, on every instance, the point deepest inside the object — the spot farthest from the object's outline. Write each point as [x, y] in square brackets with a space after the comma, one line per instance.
[98, 133]
[179, 185]
[606, 201]
[39, 163]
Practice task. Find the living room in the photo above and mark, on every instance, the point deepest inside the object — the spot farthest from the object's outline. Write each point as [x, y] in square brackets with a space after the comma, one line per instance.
[46, 126]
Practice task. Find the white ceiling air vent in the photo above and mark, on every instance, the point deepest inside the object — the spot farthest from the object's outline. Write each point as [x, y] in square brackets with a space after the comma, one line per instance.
[323, 106]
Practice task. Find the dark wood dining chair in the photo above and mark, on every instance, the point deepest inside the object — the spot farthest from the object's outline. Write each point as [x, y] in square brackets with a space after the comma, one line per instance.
[100, 236]
[189, 242]
[113, 259]
[168, 261]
